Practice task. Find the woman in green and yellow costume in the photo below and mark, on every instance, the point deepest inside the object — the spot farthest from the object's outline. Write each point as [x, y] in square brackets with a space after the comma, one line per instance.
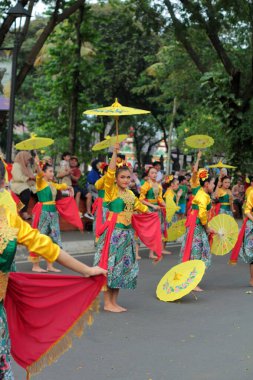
[13, 231]
[48, 225]
[224, 197]
[116, 246]
[151, 195]
[195, 245]
[171, 197]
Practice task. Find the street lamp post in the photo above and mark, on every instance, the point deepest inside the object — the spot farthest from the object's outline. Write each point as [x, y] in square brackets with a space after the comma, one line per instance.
[18, 12]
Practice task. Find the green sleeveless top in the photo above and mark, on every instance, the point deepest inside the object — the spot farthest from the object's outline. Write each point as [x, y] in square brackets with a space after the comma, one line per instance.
[118, 205]
[46, 195]
[224, 199]
[7, 257]
[151, 195]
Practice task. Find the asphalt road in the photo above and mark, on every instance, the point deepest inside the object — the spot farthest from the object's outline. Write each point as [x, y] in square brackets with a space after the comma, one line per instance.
[206, 339]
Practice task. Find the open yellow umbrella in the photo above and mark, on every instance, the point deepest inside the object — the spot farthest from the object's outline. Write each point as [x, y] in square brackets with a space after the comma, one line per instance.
[116, 110]
[199, 141]
[34, 143]
[226, 235]
[176, 230]
[221, 165]
[180, 280]
[109, 141]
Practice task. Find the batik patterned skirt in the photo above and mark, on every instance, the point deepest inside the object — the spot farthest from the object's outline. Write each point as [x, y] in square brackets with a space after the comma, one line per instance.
[246, 252]
[5, 349]
[49, 225]
[200, 246]
[123, 267]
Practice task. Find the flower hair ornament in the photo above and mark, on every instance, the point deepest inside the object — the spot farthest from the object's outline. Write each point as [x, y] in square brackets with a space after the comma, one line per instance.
[169, 178]
[203, 174]
[102, 166]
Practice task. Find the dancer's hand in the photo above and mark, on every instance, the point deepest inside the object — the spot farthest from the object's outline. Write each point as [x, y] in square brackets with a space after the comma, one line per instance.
[95, 271]
[210, 231]
[156, 207]
[116, 147]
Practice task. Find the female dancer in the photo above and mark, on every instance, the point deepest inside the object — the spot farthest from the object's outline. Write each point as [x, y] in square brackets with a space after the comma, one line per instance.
[244, 245]
[117, 245]
[151, 195]
[49, 218]
[224, 196]
[171, 196]
[14, 230]
[195, 244]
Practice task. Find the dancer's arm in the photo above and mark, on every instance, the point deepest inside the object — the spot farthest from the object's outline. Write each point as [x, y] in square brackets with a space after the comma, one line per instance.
[249, 206]
[71, 263]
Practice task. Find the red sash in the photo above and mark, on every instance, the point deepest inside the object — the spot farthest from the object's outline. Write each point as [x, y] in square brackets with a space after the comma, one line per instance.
[98, 208]
[236, 250]
[45, 312]
[191, 224]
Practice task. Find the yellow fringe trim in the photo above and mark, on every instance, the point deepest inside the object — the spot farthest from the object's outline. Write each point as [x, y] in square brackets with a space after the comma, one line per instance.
[64, 343]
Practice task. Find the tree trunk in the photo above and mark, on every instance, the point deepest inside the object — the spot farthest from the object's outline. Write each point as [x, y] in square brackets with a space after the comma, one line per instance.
[73, 117]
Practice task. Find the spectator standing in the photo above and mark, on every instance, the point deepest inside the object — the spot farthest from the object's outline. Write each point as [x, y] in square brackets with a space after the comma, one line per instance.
[238, 195]
[93, 176]
[157, 165]
[63, 173]
[23, 180]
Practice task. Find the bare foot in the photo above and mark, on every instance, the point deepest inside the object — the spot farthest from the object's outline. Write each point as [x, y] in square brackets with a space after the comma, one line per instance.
[138, 257]
[251, 282]
[152, 257]
[166, 252]
[53, 269]
[123, 309]
[198, 289]
[113, 308]
[39, 270]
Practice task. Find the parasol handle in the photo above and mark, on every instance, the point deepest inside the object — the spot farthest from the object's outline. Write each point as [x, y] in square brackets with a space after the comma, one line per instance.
[117, 128]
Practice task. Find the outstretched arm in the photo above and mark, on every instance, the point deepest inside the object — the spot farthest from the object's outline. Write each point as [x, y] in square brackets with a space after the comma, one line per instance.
[71, 263]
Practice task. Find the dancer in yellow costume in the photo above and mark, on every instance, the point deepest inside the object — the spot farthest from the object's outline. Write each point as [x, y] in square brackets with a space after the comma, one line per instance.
[151, 195]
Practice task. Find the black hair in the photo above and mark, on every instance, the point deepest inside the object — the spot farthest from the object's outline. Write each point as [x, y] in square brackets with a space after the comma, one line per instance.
[251, 178]
[223, 178]
[121, 169]
[151, 167]
[181, 178]
[46, 166]
[202, 182]
[64, 154]
[94, 164]
[157, 163]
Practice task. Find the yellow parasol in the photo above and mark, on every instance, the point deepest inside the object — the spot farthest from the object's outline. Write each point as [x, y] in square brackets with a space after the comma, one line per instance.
[226, 235]
[109, 141]
[221, 165]
[34, 143]
[176, 230]
[180, 280]
[171, 209]
[116, 110]
[199, 141]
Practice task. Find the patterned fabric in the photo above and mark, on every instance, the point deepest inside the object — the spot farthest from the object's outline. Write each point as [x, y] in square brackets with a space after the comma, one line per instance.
[200, 246]
[5, 355]
[122, 265]
[246, 252]
[49, 225]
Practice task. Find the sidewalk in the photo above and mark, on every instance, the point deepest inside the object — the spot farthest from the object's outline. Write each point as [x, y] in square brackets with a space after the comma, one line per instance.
[74, 242]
